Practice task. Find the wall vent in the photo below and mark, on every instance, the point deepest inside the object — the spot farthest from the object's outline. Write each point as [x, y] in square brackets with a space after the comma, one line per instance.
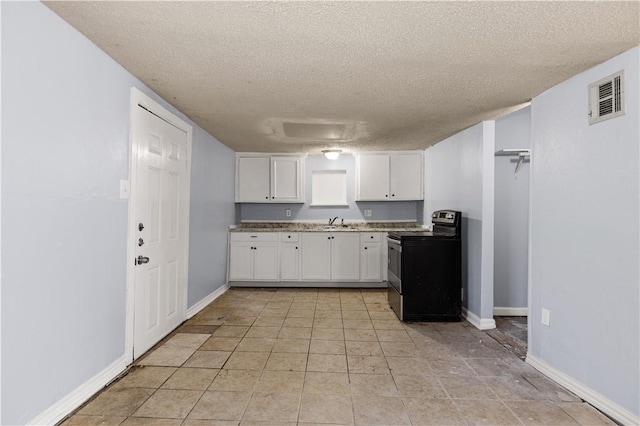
[606, 98]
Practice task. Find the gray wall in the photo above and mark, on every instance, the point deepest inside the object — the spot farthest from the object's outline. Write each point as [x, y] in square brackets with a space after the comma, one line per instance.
[65, 148]
[511, 234]
[459, 176]
[385, 211]
[212, 210]
[584, 236]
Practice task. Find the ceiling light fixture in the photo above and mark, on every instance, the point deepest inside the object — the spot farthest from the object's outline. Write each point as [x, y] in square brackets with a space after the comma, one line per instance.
[332, 154]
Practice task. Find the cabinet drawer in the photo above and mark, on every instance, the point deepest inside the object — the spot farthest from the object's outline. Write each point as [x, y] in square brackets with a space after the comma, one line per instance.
[291, 237]
[373, 237]
[254, 236]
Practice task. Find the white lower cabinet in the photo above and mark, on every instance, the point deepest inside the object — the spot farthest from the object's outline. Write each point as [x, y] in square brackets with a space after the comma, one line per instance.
[345, 259]
[330, 256]
[253, 256]
[371, 256]
[316, 256]
[290, 257]
[306, 256]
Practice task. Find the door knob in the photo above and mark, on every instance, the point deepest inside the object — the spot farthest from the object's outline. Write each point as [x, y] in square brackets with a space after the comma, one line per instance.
[141, 259]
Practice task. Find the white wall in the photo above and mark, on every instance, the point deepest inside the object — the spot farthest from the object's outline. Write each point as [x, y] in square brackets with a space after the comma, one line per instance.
[380, 211]
[65, 148]
[584, 252]
[511, 236]
[459, 176]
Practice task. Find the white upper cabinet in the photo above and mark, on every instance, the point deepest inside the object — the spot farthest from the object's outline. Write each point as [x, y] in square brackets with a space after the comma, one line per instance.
[389, 176]
[372, 176]
[252, 179]
[406, 176]
[286, 179]
[264, 178]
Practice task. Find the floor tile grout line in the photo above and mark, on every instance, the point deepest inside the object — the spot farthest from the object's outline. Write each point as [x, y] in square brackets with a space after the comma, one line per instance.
[413, 339]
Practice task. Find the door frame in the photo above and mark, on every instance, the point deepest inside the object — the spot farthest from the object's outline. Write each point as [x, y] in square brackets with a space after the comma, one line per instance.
[139, 99]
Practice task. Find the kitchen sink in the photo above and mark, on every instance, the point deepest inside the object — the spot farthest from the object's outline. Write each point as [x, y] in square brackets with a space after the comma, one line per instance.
[337, 228]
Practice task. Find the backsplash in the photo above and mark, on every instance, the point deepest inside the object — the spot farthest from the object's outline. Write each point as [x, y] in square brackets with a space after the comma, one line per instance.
[380, 211]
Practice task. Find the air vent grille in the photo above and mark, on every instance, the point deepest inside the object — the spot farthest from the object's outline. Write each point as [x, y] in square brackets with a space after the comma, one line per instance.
[606, 98]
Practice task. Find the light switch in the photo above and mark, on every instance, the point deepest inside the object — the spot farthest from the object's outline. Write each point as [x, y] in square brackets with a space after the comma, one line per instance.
[367, 212]
[287, 212]
[546, 315]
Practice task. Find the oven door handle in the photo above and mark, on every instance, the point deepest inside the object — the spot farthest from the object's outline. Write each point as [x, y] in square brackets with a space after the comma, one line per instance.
[394, 244]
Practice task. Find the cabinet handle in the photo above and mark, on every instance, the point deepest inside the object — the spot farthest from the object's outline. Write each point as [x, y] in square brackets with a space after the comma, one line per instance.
[393, 195]
[289, 236]
[266, 198]
[371, 237]
[365, 248]
[386, 195]
[296, 248]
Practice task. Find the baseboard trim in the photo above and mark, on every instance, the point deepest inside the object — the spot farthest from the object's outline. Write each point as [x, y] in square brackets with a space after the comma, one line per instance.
[208, 299]
[599, 401]
[81, 394]
[479, 323]
[511, 312]
[310, 284]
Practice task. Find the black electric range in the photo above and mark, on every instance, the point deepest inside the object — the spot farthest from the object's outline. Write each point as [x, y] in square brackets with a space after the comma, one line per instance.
[425, 270]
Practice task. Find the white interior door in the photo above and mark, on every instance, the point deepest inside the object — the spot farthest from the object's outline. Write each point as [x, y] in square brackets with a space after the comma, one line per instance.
[160, 214]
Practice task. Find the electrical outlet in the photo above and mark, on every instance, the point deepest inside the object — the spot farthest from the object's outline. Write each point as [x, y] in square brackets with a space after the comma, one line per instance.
[367, 212]
[287, 212]
[546, 314]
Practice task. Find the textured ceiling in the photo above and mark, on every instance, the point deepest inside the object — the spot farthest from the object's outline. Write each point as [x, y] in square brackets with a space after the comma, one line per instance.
[399, 75]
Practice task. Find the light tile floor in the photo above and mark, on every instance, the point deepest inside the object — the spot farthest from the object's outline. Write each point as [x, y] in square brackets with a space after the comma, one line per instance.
[328, 356]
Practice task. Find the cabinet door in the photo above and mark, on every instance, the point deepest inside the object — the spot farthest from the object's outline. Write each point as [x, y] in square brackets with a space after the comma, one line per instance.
[265, 261]
[316, 256]
[373, 177]
[345, 256]
[405, 176]
[240, 261]
[252, 179]
[371, 261]
[286, 179]
[290, 261]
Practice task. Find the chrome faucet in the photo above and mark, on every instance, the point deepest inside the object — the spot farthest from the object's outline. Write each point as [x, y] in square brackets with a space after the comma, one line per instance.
[332, 220]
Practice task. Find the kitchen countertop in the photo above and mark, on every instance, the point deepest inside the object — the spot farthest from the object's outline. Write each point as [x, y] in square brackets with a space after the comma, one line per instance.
[322, 227]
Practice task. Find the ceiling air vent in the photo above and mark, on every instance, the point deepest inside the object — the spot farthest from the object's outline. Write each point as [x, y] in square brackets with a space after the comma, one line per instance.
[606, 98]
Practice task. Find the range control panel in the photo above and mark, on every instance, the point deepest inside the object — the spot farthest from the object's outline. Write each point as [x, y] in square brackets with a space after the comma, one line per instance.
[445, 217]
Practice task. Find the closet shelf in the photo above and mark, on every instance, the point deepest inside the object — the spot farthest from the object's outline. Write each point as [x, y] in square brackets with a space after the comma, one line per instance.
[522, 154]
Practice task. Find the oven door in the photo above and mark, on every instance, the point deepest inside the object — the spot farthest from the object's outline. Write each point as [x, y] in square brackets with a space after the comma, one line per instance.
[394, 272]
[394, 277]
